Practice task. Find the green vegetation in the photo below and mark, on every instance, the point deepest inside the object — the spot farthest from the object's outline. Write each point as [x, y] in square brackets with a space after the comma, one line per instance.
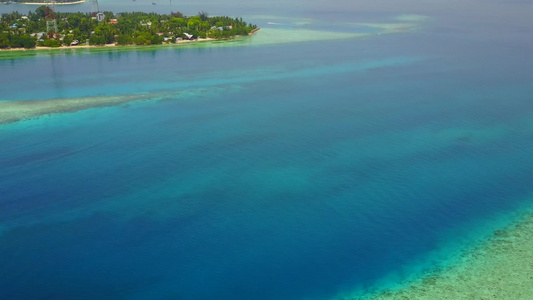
[36, 1]
[136, 28]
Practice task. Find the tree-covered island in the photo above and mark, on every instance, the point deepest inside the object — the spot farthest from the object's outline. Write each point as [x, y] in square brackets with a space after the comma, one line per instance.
[41, 1]
[134, 28]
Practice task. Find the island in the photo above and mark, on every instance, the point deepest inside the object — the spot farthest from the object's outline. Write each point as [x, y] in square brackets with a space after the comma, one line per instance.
[38, 29]
[58, 2]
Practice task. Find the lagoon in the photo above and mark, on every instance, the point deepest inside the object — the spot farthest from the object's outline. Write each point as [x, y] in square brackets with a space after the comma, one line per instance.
[307, 162]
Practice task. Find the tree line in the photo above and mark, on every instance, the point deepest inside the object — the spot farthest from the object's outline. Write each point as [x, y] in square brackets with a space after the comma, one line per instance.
[130, 28]
[36, 1]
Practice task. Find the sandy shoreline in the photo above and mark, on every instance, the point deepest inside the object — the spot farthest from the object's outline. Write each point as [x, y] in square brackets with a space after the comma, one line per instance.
[40, 48]
[499, 268]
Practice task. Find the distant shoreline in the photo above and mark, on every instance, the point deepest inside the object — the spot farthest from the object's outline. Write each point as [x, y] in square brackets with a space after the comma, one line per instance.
[42, 3]
[41, 48]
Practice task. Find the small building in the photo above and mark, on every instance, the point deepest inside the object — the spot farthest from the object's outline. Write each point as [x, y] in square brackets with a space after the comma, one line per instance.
[149, 24]
[75, 43]
[100, 17]
[113, 21]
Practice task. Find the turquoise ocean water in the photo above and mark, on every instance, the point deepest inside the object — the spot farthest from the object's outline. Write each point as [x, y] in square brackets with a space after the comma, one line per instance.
[268, 171]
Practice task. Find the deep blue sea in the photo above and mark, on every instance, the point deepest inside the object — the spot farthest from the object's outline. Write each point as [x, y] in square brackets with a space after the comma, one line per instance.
[302, 170]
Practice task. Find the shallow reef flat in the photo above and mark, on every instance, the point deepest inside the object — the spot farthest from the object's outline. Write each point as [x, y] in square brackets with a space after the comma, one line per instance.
[500, 268]
[400, 24]
[13, 111]
[282, 35]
